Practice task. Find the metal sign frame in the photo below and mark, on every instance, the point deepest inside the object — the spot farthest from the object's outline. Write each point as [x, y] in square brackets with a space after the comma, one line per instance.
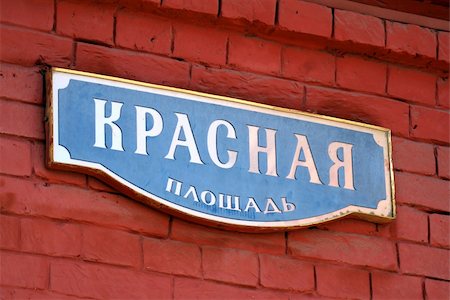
[58, 157]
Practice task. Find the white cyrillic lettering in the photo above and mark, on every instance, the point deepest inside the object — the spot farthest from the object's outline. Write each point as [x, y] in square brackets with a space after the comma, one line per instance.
[233, 205]
[271, 204]
[212, 198]
[252, 204]
[183, 124]
[193, 192]
[141, 127]
[346, 163]
[212, 144]
[287, 206]
[302, 144]
[101, 121]
[255, 149]
[169, 185]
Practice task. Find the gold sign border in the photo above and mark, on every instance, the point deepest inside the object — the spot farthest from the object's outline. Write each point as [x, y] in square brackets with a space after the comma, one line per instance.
[259, 226]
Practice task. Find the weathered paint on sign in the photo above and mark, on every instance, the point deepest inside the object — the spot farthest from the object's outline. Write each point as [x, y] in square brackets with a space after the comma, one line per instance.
[219, 160]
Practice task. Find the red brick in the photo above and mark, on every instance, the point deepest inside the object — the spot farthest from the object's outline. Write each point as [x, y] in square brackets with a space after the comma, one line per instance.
[69, 202]
[343, 247]
[105, 282]
[410, 224]
[300, 275]
[54, 176]
[22, 84]
[350, 226]
[342, 282]
[230, 265]
[201, 6]
[358, 28]
[154, 34]
[358, 107]
[430, 124]
[305, 17]
[172, 257]
[261, 11]
[22, 270]
[22, 119]
[424, 260]
[132, 65]
[37, 14]
[443, 92]
[50, 237]
[9, 232]
[439, 229]
[10, 293]
[423, 191]
[16, 156]
[360, 74]
[27, 47]
[412, 85]
[413, 157]
[436, 289]
[444, 49]
[394, 286]
[111, 246]
[411, 39]
[93, 21]
[190, 43]
[272, 243]
[98, 185]
[443, 161]
[186, 288]
[254, 54]
[253, 87]
[308, 65]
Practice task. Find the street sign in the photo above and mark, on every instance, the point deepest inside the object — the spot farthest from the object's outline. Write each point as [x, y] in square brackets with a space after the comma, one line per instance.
[218, 160]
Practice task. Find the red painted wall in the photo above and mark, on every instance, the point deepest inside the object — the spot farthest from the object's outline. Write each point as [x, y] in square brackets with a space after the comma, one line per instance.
[68, 236]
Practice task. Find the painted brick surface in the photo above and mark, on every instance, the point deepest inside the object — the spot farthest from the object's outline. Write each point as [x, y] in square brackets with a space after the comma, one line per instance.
[359, 107]
[19, 12]
[309, 66]
[253, 11]
[305, 17]
[439, 225]
[230, 265]
[274, 269]
[50, 237]
[190, 44]
[9, 232]
[411, 39]
[18, 153]
[443, 39]
[88, 22]
[154, 34]
[413, 157]
[21, 84]
[358, 28]
[343, 282]
[361, 75]
[424, 260]
[27, 47]
[172, 257]
[412, 85]
[254, 54]
[244, 85]
[392, 286]
[111, 246]
[65, 235]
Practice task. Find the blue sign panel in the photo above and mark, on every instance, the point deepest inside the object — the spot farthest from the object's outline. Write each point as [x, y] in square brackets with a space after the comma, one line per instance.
[215, 159]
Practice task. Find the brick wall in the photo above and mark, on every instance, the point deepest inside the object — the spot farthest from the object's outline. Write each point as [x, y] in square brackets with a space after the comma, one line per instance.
[68, 236]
